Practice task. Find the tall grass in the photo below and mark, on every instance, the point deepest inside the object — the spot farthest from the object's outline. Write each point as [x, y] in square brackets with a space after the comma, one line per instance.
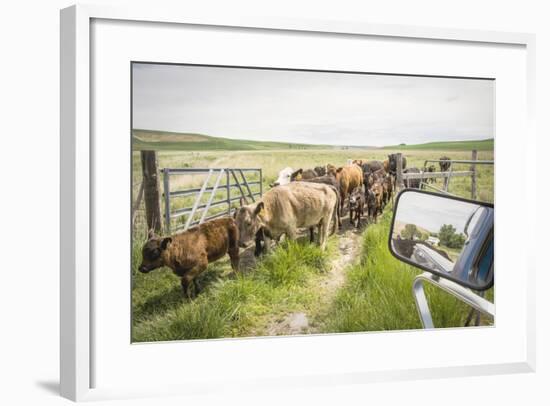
[230, 305]
[377, 295]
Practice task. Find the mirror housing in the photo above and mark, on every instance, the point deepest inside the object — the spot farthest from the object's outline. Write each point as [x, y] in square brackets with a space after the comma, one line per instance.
[445, 235]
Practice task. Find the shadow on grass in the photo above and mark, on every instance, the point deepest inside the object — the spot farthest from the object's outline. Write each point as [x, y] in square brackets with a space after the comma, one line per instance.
[162, 302]
[158, 304]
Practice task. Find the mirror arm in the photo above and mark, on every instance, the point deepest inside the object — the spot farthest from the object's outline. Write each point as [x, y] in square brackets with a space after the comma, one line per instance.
[421, 302]
[461, 293]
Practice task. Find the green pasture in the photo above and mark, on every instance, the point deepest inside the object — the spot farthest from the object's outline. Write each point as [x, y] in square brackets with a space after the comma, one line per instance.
[375, 294]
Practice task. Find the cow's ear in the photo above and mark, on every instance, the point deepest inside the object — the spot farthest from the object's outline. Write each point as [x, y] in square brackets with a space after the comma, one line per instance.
[242, 201]
[339, 169]
[164, 243]
[259, 208]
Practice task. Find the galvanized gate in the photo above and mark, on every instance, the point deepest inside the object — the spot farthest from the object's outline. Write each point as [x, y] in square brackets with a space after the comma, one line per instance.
[215, 181]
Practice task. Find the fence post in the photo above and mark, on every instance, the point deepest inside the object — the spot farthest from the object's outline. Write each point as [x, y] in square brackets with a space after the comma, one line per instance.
[149, 169]
[473, 168]
[167, 213]
[399, 171]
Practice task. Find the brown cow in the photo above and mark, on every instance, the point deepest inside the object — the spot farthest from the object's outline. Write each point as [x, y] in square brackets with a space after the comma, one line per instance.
[284, 209]
[349, 177]
[378, 190]
[372, 209]
[356, 206]
[387, 183]
[301, 174]
[320, 170]
[371, 177]
[188, 253]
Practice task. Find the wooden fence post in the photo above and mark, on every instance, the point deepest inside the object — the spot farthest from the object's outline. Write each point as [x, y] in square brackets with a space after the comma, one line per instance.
[149, 169]
[399, 171]
[473, 168]
[135, 207]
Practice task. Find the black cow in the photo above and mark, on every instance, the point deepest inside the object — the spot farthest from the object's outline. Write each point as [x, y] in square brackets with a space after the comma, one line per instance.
[412, 183]
[392, 158]
[444, 163]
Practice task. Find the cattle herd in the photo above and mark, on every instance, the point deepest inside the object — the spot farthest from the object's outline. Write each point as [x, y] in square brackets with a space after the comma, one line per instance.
[299, 199]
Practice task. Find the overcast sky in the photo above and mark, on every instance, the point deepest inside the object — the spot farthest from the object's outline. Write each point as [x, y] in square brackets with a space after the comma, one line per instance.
[431, 213]
[311, 107]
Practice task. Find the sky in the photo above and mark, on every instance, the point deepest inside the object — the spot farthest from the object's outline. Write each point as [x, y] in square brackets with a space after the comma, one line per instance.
[430, 213]
[311, 107]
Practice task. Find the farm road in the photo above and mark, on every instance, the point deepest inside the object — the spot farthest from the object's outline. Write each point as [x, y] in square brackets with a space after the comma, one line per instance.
[349, 243]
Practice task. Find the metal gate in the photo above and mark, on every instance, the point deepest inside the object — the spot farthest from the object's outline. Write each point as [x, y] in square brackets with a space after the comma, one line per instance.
[217, 182]
[402, 179]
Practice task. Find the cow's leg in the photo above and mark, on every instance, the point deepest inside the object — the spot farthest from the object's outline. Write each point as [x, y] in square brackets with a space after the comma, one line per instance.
[186, 285]
[234, 257]
[311, 235]
[323, 232]
[233, 247]
[291, 233]
[325, 225]
[339, 214]
[188, 278]
[267, 244]
[358, 218]
[260, 238]
[336, 218]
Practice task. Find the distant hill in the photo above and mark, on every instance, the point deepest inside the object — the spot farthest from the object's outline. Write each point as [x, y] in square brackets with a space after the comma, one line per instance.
[480, 145]
[164, 140]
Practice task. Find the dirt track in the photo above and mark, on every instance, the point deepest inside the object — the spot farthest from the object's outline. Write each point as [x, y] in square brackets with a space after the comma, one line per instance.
[348, 251]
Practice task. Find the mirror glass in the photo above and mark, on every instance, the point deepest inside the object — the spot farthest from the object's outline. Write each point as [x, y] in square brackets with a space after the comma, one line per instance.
[446, 236]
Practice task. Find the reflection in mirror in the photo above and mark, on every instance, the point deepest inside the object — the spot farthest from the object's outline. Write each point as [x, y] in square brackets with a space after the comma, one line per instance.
[446, 236]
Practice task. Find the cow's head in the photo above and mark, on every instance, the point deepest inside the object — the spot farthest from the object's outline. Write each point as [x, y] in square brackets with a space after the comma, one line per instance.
[248, 221]
[392, 158]
[331, 170]
[286, 176]
[152, 252]
[320, 170]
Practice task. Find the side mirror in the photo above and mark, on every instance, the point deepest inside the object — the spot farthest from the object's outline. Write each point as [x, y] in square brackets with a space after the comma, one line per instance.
[445, 235]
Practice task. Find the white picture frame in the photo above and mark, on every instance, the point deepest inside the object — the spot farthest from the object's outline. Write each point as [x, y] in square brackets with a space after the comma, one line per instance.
[77, 211]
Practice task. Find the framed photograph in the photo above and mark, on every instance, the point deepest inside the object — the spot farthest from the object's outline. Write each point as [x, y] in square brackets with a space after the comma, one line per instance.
[264, 203]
